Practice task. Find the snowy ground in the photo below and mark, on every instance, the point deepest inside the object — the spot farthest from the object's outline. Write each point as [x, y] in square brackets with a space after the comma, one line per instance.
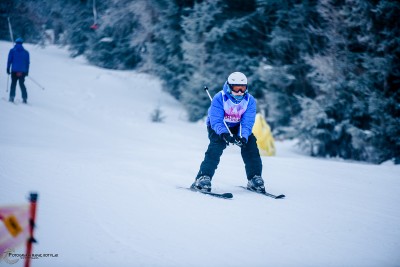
[107, 178]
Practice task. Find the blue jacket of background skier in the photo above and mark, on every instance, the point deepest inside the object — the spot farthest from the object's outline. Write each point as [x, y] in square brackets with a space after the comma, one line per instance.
[18, 59]
[216, 113]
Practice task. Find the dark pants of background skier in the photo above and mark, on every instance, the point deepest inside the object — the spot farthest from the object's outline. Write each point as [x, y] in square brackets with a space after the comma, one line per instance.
[250, 155]
[20, 77]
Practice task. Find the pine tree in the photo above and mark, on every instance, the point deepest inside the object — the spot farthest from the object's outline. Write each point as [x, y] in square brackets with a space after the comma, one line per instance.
[347, 76]
[384, 103]
[27, 19]
[119, 41]
[163, 52]
[196, 26]
[6, 9]
[281, 74]
[223, 33]
[78, 18]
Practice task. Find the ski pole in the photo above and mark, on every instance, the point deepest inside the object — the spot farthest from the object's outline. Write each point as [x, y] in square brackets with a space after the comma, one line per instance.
[35, 82]
[208, 93]
[8, 80]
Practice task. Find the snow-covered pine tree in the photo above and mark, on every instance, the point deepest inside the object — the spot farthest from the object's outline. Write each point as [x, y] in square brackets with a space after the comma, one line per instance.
[344, 77]
[223, 30]
[27, 19]
[163, 51]
[196, 26]
[283, 68]
[120, 40]
[330, 79]
[5, 11]
[78, 17]
[384, 66]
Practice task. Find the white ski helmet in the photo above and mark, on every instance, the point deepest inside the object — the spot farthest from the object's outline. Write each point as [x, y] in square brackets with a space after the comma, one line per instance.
[236, 78]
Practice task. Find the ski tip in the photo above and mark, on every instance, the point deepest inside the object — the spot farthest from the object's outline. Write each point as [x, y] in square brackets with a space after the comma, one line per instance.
[218, 195]
[280, 197]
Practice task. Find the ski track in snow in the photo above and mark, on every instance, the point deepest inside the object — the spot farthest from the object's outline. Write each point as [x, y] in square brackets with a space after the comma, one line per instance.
[107, 179]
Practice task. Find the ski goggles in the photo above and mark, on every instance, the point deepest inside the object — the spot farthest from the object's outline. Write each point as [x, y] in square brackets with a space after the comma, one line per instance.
[239, 88]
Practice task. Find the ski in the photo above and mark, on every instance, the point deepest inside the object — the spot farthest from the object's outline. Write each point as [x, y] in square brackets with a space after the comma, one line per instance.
[218, 195]
[265, 194]
[15, 102]
[6, 100]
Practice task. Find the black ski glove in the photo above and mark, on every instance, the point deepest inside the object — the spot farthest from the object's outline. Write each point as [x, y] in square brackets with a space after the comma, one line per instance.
[8, 72]
[26, 74]
[227, 138]
[240, 141]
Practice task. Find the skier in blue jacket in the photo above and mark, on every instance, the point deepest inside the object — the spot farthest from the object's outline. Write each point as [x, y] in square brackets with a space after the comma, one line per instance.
[18, 67]
[235, 108]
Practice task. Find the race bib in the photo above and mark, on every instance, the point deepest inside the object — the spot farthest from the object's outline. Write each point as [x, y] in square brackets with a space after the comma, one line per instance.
[234, 112]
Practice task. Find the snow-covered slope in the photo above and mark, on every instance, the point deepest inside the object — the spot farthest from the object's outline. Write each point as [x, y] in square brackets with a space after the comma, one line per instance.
[108, 181]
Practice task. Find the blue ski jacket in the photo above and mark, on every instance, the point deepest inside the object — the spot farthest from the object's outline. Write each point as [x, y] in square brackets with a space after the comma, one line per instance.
[18, 59]
[234, 112]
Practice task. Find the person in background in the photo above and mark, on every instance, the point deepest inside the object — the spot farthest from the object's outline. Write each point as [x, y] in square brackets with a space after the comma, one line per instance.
[18, 66]
[234, 106]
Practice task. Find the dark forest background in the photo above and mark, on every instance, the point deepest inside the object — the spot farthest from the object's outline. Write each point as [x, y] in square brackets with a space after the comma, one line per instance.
[325, 72]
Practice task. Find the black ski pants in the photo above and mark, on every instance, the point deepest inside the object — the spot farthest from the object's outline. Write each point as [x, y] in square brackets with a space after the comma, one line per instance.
[20, 77]
[250, 155]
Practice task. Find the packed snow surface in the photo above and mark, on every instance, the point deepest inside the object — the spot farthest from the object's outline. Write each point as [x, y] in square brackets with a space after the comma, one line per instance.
[108, 180]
